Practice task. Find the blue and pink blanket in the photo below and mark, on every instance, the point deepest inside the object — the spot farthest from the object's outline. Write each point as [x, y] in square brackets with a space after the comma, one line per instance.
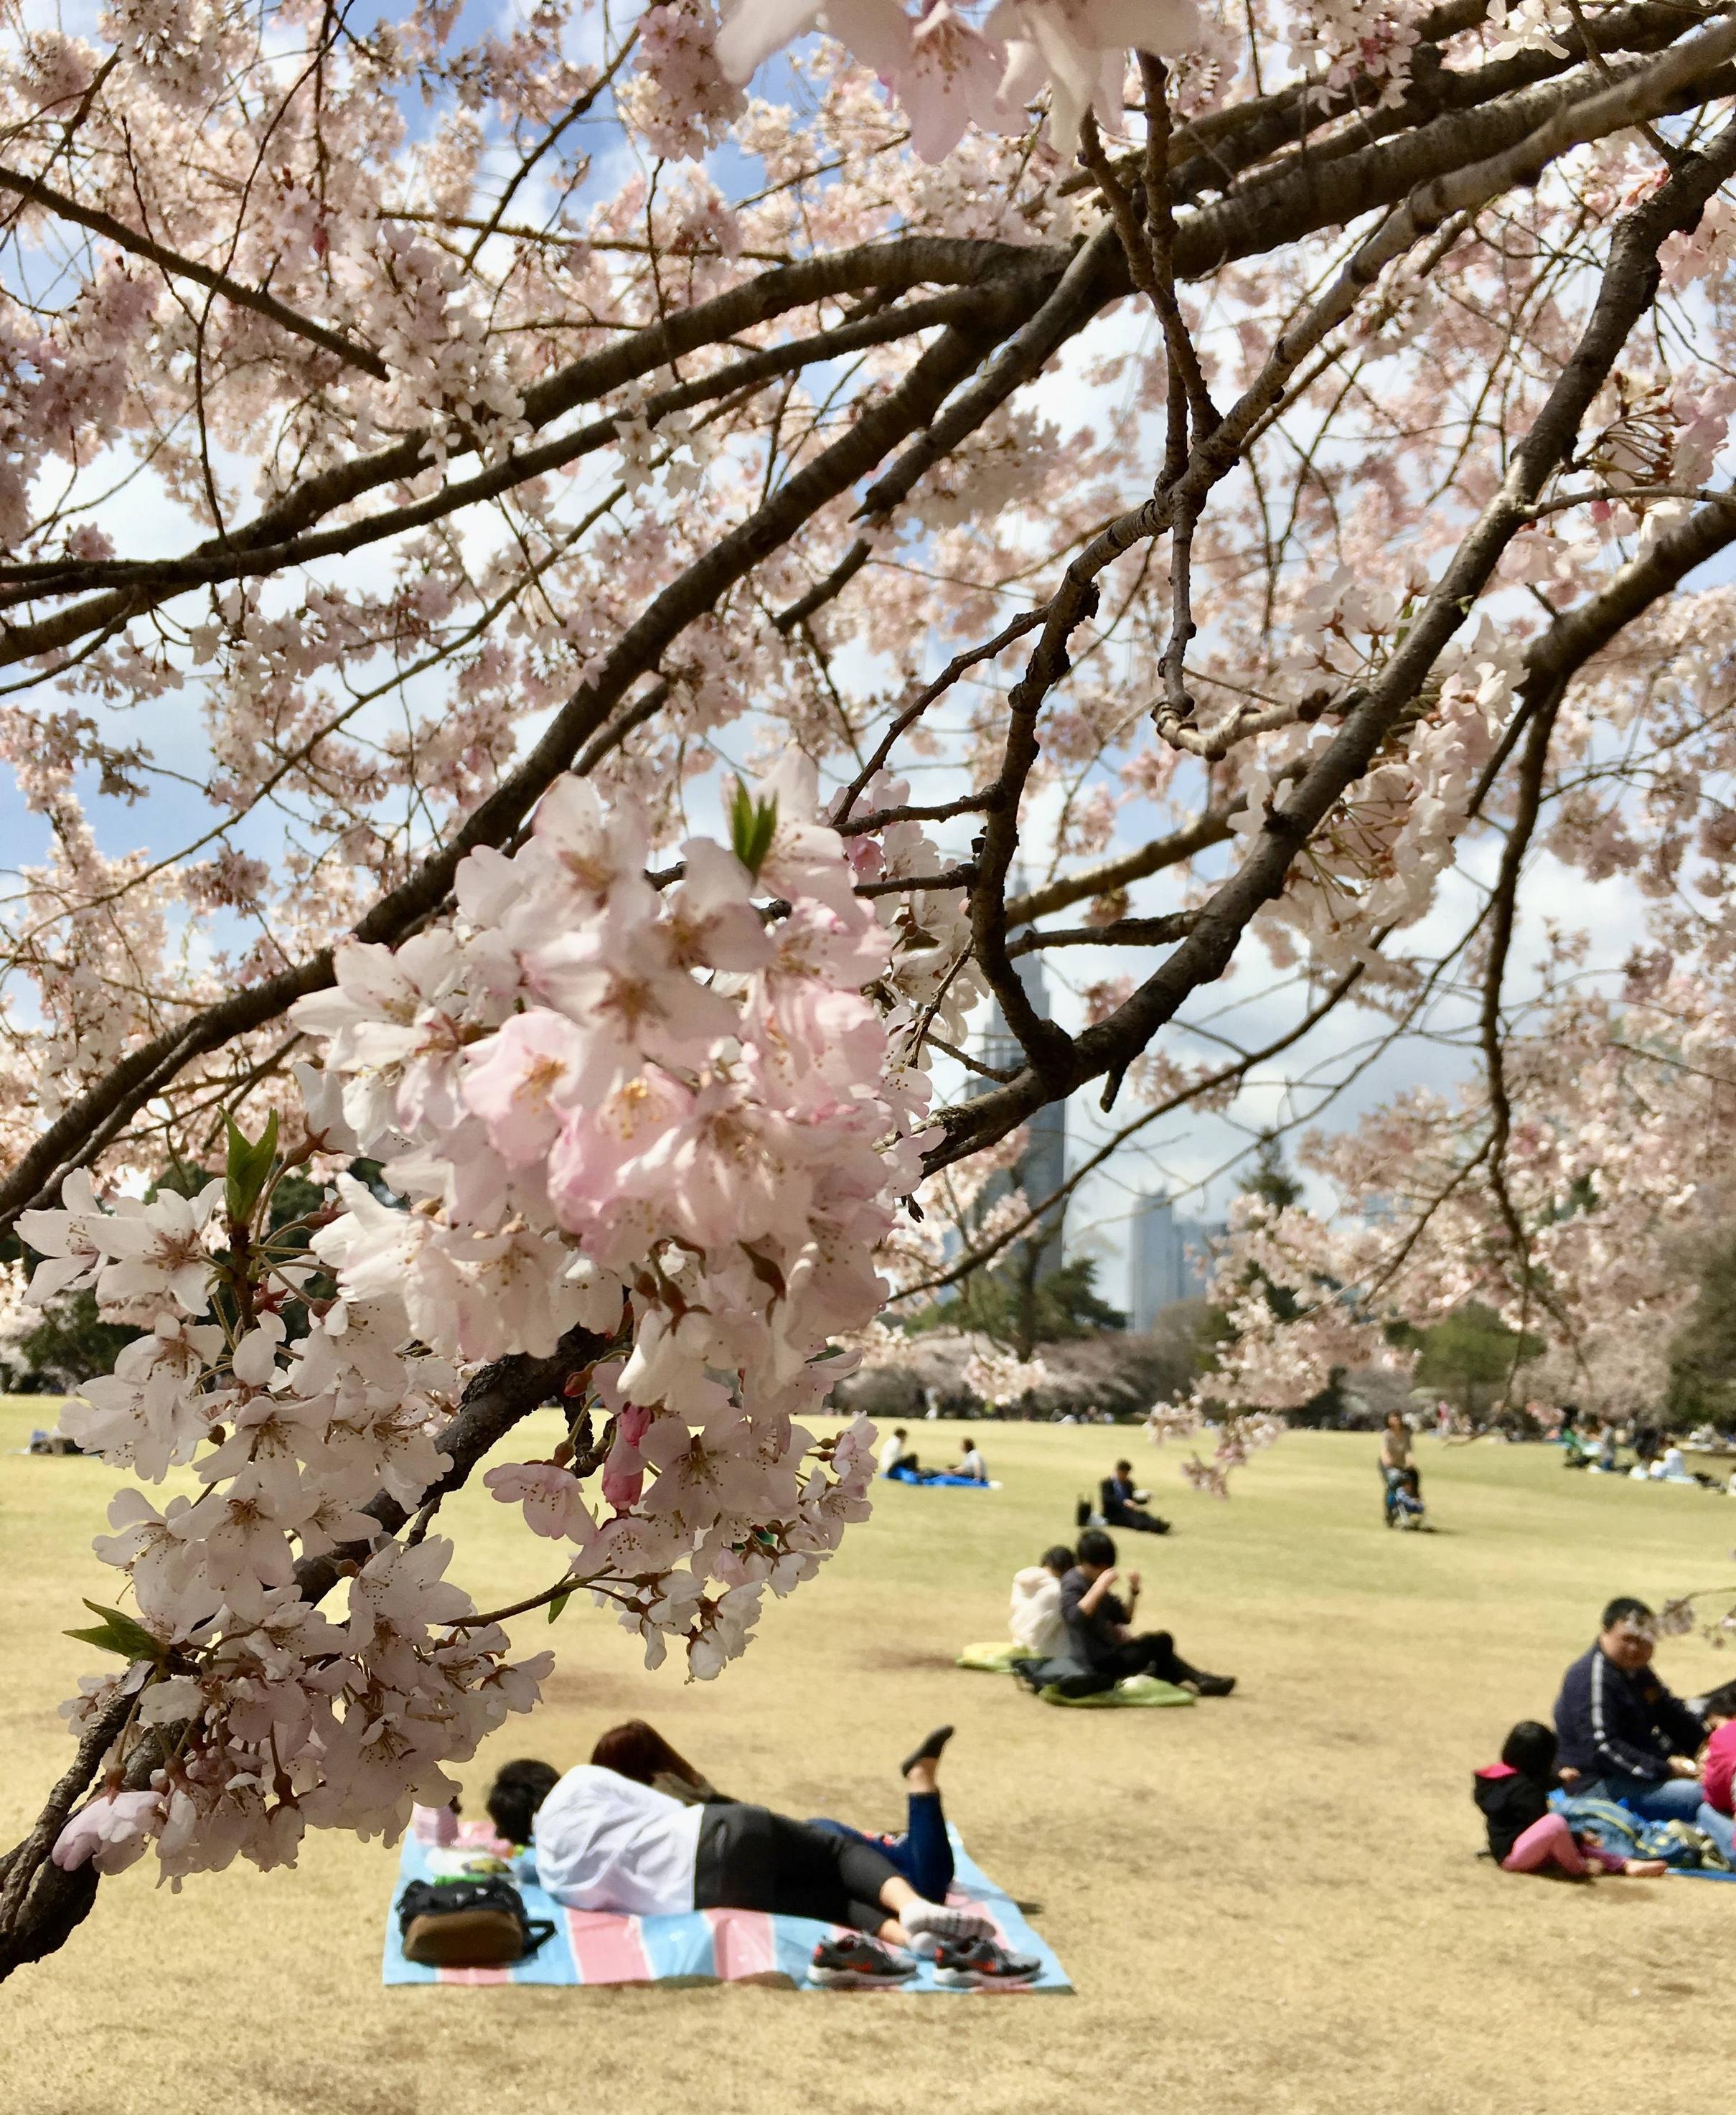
[703, 1946]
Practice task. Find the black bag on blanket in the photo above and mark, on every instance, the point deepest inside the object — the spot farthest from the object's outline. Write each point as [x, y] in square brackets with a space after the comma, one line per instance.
[467, 1924]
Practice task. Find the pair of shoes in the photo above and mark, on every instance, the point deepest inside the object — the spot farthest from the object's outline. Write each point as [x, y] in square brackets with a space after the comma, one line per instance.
[1211, 1685]
[857, 1962]
[985, 1964]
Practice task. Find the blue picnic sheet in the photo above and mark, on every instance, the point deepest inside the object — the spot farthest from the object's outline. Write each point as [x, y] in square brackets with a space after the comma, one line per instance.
[701, 1946]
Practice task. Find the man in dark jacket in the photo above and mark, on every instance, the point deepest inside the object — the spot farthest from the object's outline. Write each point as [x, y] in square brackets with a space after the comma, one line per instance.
[1621, 1729]
[1121, 1505]
[1100, 1636]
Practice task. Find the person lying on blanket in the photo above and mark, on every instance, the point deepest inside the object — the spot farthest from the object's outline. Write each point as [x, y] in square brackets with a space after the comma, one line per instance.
[605, 1842]
[923, 1853]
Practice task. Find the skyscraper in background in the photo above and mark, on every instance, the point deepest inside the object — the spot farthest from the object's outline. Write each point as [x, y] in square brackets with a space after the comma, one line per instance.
[1169, 1260]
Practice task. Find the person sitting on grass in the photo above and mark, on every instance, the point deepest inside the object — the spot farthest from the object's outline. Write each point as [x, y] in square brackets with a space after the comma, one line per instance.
[1622, 1733]
[605, 1842]
[970, 1463]
[1526, 1833]
[1123, 1507]
[896, 1453]
[1101, 1633]
[1038, 1628]
[1718, 1769]
[922, 1851]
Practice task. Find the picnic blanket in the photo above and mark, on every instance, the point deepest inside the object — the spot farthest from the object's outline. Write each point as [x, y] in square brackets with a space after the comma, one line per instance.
[992, 1660]
[1139, 1691]
[1142, 1691]
[702, 1946]
[1613, 1824]
[937, 1480]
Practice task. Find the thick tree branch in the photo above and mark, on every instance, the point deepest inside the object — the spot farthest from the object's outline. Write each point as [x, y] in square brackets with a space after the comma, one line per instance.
[887, 268]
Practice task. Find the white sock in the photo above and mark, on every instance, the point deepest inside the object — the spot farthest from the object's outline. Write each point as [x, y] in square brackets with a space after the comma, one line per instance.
[945, 1923]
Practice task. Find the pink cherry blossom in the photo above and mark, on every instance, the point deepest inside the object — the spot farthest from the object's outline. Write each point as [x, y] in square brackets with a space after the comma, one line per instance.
[530, 1074]
[112, 1833]
[951, 79]
[552, 1498]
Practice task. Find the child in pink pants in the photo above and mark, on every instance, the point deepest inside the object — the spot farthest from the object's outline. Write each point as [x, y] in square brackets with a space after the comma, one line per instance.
[1526, 1833]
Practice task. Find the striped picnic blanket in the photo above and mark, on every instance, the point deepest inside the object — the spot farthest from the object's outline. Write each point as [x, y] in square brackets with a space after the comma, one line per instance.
[702, 1946]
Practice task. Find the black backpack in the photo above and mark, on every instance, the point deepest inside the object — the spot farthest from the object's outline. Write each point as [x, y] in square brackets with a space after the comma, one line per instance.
[467, 1924]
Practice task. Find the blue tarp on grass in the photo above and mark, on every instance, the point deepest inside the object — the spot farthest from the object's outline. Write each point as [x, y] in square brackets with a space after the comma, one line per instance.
[703, 1946]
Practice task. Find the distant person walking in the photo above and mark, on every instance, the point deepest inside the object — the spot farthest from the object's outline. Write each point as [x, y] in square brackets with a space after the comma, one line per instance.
[1123, 1507]
[1624, 1736]
[1402, 1483]
[1395, 1447]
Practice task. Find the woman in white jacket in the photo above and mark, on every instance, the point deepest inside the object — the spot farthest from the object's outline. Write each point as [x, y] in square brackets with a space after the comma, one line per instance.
[1034, 1618]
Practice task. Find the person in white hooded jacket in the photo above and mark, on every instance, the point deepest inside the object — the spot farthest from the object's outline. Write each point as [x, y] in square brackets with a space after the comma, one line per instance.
[1034, 1618]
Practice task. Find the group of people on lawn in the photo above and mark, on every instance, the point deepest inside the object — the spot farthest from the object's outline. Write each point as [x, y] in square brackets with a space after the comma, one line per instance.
[640, 1830]
[898, 1460]
[1619, 1736]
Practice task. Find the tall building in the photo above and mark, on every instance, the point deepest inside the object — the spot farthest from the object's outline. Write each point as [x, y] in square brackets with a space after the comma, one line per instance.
[1169, 1260]
[1042, 1167]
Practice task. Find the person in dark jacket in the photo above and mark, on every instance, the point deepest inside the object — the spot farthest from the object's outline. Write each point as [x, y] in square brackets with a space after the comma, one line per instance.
[1622, 1732]
[1100, 1636]
[1526, 1833]
[1121, 1506]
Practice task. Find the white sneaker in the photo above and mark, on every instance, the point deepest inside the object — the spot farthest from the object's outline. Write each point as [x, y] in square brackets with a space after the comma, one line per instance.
[945, 1922]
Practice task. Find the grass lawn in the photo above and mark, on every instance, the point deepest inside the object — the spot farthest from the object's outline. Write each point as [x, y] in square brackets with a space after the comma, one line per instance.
[1269, 1904]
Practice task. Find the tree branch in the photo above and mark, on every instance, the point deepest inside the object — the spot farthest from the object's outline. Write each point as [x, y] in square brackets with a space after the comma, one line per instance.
[254, 298]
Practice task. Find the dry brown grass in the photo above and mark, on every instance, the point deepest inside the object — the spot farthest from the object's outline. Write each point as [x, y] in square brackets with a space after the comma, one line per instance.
[1268, 1905]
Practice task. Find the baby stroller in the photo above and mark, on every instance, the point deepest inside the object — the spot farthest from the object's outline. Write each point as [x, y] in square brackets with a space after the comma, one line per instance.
[1404, 1498]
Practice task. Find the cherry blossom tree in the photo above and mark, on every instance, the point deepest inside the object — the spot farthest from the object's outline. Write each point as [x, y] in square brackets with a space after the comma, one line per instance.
[634, 568]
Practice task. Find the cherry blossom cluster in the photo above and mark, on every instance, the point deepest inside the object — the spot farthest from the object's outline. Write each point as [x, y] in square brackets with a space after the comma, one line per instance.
[416, 492]
[1620, 1122]
[1236, 1437]
[998, 1378]
[673, 1116]
[948, 71]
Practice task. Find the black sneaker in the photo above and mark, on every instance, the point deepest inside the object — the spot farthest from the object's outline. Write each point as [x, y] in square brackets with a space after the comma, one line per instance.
[1212, 1684]
[983, 1964]
[857, 1962]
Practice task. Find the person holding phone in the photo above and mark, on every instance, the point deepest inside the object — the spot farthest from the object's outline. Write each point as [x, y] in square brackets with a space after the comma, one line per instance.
[1100, 1632]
